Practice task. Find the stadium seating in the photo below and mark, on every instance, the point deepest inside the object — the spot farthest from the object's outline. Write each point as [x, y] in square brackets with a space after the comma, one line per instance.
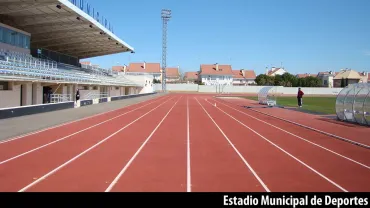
[15, 65]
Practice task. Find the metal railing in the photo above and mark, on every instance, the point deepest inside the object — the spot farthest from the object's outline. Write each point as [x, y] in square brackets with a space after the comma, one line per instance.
[58, 98]
[92, 95]
[43, 71]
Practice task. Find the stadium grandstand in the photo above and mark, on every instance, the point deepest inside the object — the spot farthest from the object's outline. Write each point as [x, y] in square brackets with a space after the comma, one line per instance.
[41, 45]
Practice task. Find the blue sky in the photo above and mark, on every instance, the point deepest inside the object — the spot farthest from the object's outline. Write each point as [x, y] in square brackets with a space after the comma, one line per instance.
[307, 36]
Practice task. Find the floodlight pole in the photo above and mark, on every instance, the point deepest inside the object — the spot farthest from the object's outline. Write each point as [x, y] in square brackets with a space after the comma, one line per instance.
[166, 15]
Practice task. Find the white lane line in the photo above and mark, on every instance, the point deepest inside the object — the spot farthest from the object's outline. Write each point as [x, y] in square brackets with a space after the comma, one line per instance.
[87, 150]
[314, 129]
[298, 160]
[69, 122]
[114, 182]
[237, 151]
[70, 135]
[317, 130]
[347, 158]
[188, 175]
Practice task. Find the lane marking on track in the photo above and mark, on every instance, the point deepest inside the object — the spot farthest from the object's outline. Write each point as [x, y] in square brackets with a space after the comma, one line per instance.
[347, 158]
[114, 182]
[68, 122]
[87, 150]
[317, 130]
[188, 173]
[313, 129]
[292, 156]
[70, 135]
[237, 151]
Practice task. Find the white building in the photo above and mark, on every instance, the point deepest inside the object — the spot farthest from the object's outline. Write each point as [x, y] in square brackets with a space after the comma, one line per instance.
[243, 77]
[173, 75]
[275, 71]
[215, 74]
[144, 68]
[327, 78]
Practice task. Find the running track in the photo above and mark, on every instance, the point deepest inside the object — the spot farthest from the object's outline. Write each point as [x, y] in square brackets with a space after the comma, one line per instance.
[182, 143]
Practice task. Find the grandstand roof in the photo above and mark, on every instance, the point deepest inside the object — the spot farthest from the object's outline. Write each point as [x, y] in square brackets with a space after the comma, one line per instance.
[65, 29]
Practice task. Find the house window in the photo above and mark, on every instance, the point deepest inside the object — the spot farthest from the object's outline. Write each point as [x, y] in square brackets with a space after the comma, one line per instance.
[4, 85]
[325, 82]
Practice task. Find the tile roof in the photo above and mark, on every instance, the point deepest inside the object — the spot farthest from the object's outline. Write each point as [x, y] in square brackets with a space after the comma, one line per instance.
[238, 74]
[211, 69]
[144, 67]
[272, 71]
[191, 75]
[350, 74]
[172, 72]
[306, 75]
[118, 68]
[249, 74]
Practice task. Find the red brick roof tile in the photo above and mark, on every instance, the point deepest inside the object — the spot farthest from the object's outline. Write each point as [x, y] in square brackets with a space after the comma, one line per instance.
[238, 74]
[172, 72]
[211, 69]
[191, 75]
[249, 74]
[149, 67]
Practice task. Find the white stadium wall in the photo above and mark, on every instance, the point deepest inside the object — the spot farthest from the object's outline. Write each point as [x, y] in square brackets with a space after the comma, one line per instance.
[11, 97]
[178, 87]
[245, 89]
[32, 95]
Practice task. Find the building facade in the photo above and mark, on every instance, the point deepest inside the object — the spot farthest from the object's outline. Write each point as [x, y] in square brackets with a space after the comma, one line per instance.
[215, 74]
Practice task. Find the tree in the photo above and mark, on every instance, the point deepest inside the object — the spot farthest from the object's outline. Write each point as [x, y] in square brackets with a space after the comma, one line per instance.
[270, 80]
[278, 80]
[261, 79]
[312, 82]
[301, 82]
[289, 80]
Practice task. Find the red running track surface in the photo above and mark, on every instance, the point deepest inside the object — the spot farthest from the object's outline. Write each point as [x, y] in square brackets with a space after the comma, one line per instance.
[346, 130]
[179, 143]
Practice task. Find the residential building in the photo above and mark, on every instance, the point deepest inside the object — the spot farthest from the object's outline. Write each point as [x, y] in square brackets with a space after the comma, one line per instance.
[275, 71]
[238, 78]
[243, 77]
[327, 78]
[250, 76]
[215, 74]
[145, 68]
[351, 75]
[173, 75]
[191, 77]
[364, 77]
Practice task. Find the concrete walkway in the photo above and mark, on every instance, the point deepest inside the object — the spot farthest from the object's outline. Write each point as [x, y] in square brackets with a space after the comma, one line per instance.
[17, 126]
